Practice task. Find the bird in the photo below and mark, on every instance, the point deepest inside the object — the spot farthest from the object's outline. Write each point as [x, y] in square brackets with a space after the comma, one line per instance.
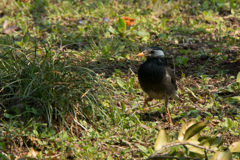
[156, 78]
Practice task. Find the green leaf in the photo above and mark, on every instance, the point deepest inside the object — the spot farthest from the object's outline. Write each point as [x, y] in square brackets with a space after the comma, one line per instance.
[26, 37]
[35, 132]
[121, 25]
[235, 147]
[205, 13]
[9, 116]
[140, 33]
[238, 77]
[212, 143]
[185, 126]
[216, 143]
[34, 111]
[28, 108]
[19, 43]
[142, 148]
[112, 30]
[63, 136]
[193, 139]
[2, 146]
[130, 82]
[3, 156]
[121, 83]
[236, 97]
[226, 155]
[123, 107]
[154, 1]
[195, 149]
[162, 139]
[109, 158]
[144, 39]
[119, 49]
[132, 28]
[194, 129]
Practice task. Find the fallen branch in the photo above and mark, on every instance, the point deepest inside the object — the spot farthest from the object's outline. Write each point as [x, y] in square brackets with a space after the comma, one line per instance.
[177, 144]
[172, 157]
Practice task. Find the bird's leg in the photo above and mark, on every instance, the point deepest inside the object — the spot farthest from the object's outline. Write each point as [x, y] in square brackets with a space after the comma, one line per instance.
[166, 105]
[146, 101]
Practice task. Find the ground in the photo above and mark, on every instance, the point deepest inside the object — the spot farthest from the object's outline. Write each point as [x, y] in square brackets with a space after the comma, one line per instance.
[69, 85]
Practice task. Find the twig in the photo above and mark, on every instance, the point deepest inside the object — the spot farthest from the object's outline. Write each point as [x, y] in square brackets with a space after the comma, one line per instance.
[2, 89]
[132, 71]
[79, 124]
[85, 93]
[192, 93]
[172, 157]
[177, 144]
[61, 49]
[54, 156]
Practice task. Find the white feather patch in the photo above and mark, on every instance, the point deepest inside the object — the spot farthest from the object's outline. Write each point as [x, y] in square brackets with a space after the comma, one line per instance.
[159, 53]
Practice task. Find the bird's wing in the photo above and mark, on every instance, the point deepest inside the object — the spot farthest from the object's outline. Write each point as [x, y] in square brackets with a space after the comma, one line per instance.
[169, 71]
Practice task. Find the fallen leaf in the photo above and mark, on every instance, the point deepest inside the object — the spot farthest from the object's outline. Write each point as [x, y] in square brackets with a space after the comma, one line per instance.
[144, 126]
[9, 29]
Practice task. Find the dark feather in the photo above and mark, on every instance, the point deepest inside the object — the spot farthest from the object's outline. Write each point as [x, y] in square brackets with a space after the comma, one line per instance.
[151, 73]
[152, 76]
[173, 80]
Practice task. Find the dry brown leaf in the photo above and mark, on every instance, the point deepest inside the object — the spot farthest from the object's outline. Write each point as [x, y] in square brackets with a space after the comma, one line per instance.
[25, 1]
[53, 156]
[32, 153]
[144, 126]
[5, 24]
[9, 29]
[26, 158]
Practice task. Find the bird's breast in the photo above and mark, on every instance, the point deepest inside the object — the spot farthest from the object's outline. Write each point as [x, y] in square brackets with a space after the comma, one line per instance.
[151, 76]
[157, 95]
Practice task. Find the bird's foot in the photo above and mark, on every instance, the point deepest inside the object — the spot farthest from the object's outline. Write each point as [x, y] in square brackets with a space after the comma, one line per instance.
[170, 121]
[166, 118]
[169, 117]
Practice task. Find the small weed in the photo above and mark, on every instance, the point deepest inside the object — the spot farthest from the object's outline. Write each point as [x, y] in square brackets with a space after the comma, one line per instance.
[181, 61]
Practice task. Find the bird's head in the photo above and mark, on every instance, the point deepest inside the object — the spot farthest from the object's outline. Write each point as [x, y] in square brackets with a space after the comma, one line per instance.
[152, 52]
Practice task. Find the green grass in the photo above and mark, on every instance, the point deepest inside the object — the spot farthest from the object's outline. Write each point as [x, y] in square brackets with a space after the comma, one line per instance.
[69, 76]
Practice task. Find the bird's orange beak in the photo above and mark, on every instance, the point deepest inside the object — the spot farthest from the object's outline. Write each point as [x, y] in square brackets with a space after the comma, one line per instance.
[140, 54]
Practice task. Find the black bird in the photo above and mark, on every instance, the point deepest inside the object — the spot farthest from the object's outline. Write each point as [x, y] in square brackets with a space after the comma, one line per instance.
[156, 78]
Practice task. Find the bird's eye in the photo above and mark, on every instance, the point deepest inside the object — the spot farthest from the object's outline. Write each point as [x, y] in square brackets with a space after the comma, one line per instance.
[152, 52]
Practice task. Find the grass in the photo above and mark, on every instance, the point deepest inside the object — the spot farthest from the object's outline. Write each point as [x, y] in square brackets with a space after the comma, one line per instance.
[69, 84]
